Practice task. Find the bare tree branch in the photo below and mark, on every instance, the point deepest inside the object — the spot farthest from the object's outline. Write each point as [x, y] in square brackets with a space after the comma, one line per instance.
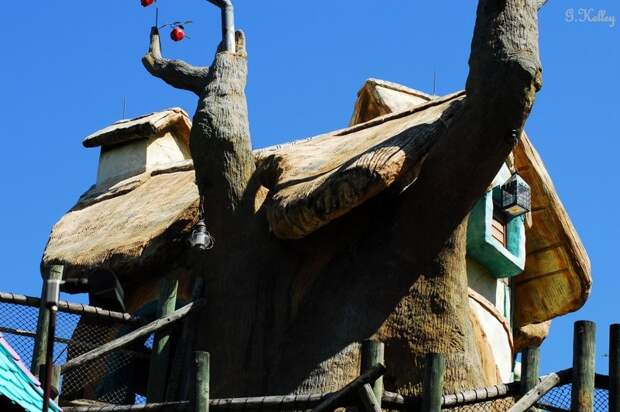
[176, 73]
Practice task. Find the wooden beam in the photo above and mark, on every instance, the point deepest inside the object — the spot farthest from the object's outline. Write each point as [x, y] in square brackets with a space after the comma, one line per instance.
[545, 385]
[201, 385]
[131, 337]
[40, 342]
[582, 394]
[614, 368]
[433, 382]
[25, 333]
[70, 307]
[368, 400]
[373, 353]
[160, 356]
[337, 399]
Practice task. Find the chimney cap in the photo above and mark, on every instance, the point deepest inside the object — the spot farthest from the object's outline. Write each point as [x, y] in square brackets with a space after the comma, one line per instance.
[142, 127]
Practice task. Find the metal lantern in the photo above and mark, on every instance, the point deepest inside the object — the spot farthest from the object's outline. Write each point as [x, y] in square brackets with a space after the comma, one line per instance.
[200, 237]
[516, 196]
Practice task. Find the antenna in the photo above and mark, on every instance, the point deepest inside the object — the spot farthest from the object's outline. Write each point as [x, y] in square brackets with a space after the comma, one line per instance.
[156, 16]
[434, 82]
[124, 107]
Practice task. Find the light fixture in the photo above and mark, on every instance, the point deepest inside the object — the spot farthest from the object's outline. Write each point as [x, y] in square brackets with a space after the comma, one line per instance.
[201, 238]
[516, 198]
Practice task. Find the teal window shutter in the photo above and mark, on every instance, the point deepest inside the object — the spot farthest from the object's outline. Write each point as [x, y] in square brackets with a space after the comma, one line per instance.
[502, 261]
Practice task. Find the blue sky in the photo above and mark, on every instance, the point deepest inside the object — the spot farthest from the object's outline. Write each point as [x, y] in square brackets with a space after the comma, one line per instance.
[67, 66]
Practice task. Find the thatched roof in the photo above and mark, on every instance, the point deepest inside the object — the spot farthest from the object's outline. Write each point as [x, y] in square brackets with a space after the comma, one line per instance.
[139, 221]
[142, 127]
[129, 227]
[317, 180]
[379, 97]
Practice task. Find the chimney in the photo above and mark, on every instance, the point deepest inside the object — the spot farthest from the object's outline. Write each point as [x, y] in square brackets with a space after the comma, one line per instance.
[132, 147]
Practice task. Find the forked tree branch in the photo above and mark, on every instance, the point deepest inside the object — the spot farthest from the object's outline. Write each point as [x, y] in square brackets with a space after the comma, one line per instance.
[176, 73]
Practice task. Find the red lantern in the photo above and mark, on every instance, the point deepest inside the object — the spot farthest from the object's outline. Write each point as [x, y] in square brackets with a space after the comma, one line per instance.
[177, 33]
[146, 3]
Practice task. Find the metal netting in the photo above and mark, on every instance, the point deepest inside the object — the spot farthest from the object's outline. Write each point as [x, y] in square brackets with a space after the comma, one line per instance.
[496, 405]
[116, 378]
[559, 398]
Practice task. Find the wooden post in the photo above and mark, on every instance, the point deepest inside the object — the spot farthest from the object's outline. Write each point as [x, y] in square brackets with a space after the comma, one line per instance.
[373, 353]
[433, 382]
[582, 397]
[530, 366]
[40, 342]
[55, 380]
[614, 368]
[160, 357]
[201, 386]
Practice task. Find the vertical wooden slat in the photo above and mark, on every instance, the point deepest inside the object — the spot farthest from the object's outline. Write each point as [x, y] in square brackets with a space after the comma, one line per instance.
[582, 397]
[160, 357]
[530, 366]
[40, 342]
[373, 354]
[201, 386]
[614, 368]
[433, 382]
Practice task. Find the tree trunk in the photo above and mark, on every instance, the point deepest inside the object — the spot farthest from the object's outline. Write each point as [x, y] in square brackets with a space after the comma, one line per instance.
[288, 316]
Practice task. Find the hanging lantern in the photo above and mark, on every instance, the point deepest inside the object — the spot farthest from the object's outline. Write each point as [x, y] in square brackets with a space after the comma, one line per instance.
[146, 3]
[516, 196]
[177, 33]
[201, 238]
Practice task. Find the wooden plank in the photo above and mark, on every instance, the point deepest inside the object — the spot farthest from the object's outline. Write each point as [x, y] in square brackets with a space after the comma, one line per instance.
[434, 370]
[582, 394]
[40, 342]
[160, 356]
[131, 337]
[545, 385]
[368, 400]
[614, 368]
[373, 353]
[337, 399]
[201, 386]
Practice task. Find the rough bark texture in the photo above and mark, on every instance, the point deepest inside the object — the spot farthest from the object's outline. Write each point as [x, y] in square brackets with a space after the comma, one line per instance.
[288, 316]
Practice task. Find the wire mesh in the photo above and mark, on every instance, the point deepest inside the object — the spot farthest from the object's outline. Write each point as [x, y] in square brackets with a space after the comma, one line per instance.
[559, 398]
[496, 405]
[117, 378]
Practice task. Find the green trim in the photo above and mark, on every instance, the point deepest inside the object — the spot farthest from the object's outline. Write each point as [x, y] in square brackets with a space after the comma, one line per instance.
[501, 261]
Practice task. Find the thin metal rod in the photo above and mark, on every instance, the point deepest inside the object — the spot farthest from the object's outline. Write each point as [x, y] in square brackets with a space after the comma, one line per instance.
[228, 24]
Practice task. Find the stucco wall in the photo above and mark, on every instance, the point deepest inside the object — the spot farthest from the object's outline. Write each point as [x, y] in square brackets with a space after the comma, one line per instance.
[135, 157]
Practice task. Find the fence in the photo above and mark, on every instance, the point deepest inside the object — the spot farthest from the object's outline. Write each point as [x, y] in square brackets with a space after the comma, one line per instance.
[79, 329]
[116, 376]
